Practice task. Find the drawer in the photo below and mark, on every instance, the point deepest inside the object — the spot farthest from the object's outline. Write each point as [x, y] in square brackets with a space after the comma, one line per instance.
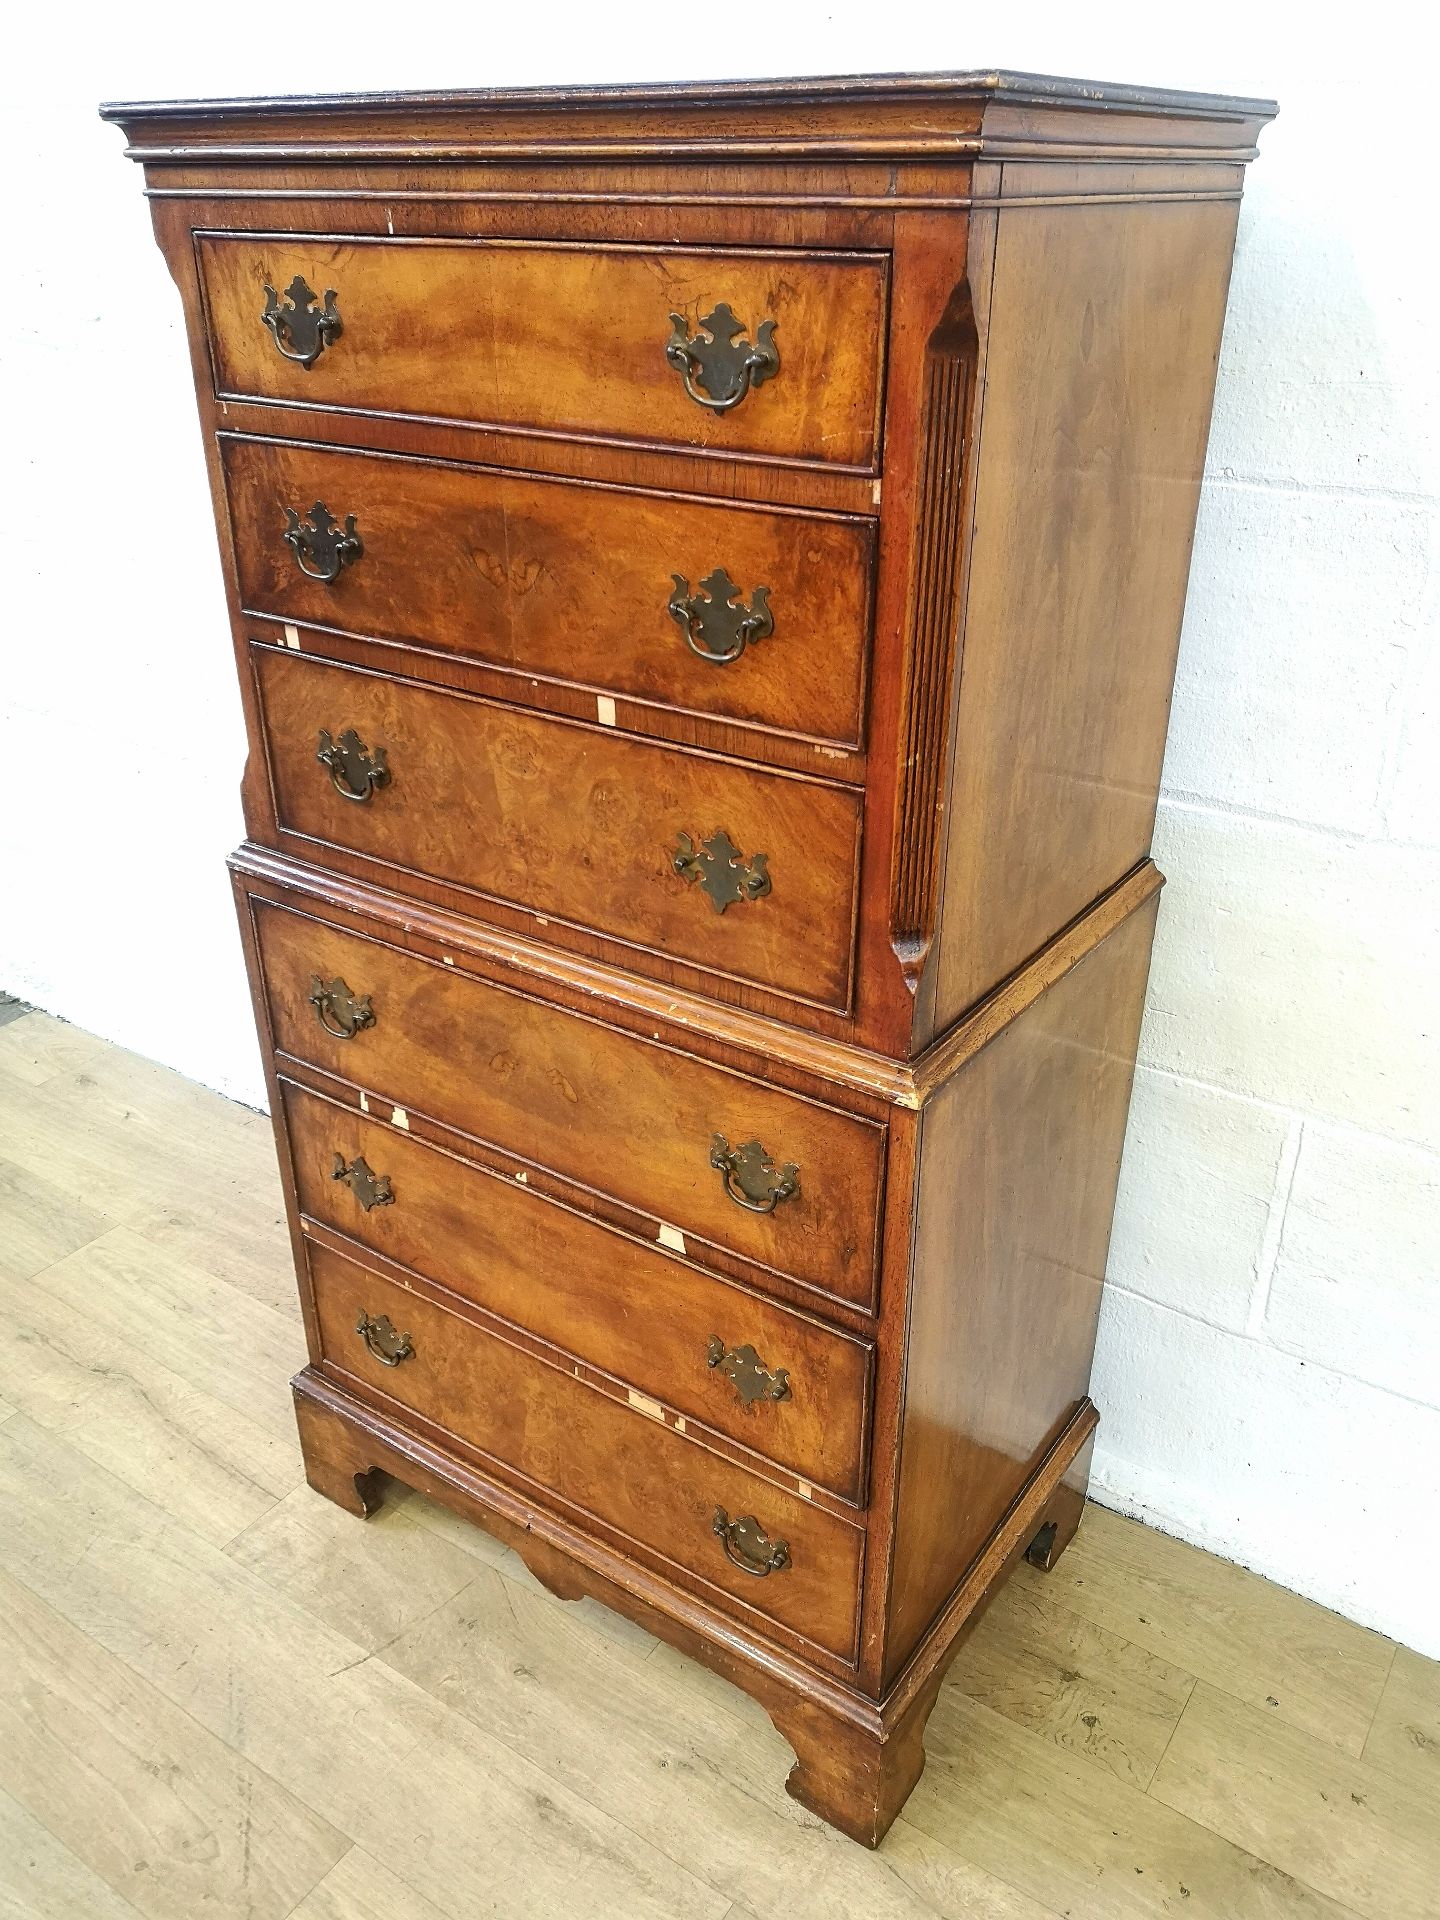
[559, 339]
[574, 823]
[602, 1108]
[588, 585]
[714, 1352]
[619, 1467]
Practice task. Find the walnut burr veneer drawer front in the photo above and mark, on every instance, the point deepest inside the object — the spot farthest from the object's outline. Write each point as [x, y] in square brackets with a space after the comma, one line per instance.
[660, 1131]
[678, 854]
[772, 353]
[774, 1380]
[759, 616]
[735, 1533]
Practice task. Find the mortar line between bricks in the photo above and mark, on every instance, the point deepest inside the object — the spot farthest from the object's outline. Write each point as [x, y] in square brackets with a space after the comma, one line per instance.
[1217, 480]
[1311, 1116]
[1271, 1346]
[1191, 802]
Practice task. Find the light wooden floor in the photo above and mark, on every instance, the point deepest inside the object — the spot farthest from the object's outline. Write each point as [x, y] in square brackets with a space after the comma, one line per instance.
[220, 1696]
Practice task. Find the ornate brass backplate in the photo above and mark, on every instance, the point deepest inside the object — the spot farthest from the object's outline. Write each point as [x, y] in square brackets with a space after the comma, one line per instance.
[718, 360]
[722, 871]
[355, 771]
[307, 329]
[747, 1372]
[340, 1012]
[371, 1189]
[379, 1335]
[751, 1177]
[749, 1546]
[716, 622]
[322, 547]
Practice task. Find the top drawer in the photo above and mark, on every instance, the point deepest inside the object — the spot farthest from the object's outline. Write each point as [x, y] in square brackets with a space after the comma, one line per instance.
[559, 338]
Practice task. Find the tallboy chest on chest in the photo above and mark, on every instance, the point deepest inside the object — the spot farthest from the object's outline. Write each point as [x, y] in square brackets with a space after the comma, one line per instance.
[705, 566]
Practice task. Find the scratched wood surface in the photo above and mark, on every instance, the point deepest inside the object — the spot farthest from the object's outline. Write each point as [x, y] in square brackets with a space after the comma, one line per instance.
[221, 1694]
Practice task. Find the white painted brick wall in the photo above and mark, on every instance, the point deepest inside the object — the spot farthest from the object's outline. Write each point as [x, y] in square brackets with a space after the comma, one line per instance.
[1269, 1358]
[1267, 1366]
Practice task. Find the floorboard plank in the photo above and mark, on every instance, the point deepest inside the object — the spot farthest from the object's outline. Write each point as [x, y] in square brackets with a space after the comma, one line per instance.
[41, 1223]
[1354, 1831]
[364, 1747]
[361, 1887]
[41, 1879]
[75, 1374]
[1224, 1624]
[158, 1808]
[1062, 1828]
[35, 1047]
[369, 1580]
[1055, 1673]
[1405, 1736]
[220, 1340]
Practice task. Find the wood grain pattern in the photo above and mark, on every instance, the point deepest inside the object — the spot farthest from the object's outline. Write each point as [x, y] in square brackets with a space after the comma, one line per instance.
[619, 1466]
[143, 1420]
[1103, 333]
[1404, 1737]
[1320, 1815]
[575, 826]
[602, 1107]
[40, 1875]
[1070, 1833]
[202, 1642]
[564, 584]
[560, 340]
[631, 1310]
[1009, 1263]
[305, 1548]
[953, 789]
[1318, 1673]
[1079, 1686]
[160, 1809]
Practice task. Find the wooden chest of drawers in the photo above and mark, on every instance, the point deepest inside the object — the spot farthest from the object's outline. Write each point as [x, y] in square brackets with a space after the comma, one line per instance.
[706, 566]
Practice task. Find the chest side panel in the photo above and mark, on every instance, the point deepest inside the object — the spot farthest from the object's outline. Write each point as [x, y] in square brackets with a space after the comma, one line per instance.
[1100, 357]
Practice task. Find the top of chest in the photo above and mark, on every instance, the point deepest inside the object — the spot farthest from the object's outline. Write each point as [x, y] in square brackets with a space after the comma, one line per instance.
[856, 117]
[726, 271]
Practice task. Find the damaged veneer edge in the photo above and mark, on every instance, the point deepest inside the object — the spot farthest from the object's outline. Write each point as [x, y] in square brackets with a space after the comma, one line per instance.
[899, 1083]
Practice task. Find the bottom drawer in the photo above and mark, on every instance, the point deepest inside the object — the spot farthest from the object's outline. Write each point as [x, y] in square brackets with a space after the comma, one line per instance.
[628, 1471]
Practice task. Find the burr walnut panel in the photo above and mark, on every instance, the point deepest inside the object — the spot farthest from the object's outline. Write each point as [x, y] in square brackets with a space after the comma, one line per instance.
[575, 824]
[626, 1470]
[636, 1312]
[560, 339]
[563, 582]
[572, 1095]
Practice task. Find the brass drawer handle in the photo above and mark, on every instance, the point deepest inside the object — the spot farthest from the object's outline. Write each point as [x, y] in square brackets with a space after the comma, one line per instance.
[716, 623]
[388, 1346]
[323, 547]
[308, 329]
[749, 1546]
[341, 1013]
[371, 1189]
[355, 771]
[726, 366]
[751, 1177]
[722, 871]
[747, 1372]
